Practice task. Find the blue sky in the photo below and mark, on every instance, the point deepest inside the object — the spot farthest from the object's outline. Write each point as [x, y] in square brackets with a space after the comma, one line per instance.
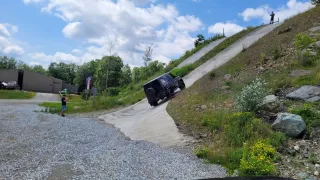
[44, 31]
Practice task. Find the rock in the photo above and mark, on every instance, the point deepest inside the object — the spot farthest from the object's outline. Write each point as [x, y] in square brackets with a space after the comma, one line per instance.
[310, 51]
[317, 165]
[227, 77]
[203, 135]
[261, 68]
[290, 124]
[285, 30]
[314, 29]
[271, 104]
[204, 107]
[298, 73]
[317, 44]
[302, 175]
[197, 109]
[314, 99]
[304, 93]
[291, 151]
[316, 173]
[297, 148]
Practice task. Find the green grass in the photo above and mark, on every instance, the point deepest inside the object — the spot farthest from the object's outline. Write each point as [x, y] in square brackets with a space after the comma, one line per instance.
[14, 94]
[222, 46]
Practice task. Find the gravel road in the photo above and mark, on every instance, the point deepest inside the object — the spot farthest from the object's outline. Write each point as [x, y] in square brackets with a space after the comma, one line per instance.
[35, 145]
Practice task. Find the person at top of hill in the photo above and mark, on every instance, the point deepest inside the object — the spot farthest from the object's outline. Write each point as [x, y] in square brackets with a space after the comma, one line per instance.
[272, 17]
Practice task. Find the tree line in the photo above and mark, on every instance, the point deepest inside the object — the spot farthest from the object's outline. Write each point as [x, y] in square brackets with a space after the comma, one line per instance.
[109, 71]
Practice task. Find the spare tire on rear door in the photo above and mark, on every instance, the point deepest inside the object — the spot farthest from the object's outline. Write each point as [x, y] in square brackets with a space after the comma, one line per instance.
[151, 95]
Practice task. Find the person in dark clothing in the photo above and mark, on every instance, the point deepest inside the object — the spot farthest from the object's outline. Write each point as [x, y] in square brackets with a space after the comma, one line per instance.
[63, 104]
[272, 18]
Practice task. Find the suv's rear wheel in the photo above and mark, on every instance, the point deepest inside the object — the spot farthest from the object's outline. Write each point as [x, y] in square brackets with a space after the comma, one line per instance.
[182, 86]
[151, 95]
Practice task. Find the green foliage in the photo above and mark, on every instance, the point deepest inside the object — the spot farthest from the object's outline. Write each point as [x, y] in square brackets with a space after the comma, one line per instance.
[276, 52]
[63, 71]
[183, 70]
[309, 114]
[251, 96]
[303, 41]
[313, 158]
[306, 59]
[315, 2]
[258, 160]
[262, 58]
[7, 63]
[113, 91]
[15, 94]
[212, 74]
[202, 152]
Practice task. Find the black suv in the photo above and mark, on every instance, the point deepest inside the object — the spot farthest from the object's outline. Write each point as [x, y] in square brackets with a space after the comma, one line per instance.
[161, 87]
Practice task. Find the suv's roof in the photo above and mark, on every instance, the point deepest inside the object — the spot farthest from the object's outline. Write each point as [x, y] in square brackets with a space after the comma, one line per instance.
[157, 78]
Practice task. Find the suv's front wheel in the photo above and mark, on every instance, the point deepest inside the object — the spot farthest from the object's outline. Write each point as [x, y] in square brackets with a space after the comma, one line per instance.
[182, 86]
[151, 95]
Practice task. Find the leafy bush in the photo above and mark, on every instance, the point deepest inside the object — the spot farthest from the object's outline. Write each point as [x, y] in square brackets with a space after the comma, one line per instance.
[113, 91]
[306, 59]
[251, 96]
[202, 152]
[303, 41]
[309, 114]
[183, 70]
[212, 74]
[83, 95]
[245, 127]
[258, 160]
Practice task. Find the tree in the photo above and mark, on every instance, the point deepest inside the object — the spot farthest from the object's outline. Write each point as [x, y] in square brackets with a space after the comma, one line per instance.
[63, 71]
[315, 2]
[38, 69]
[22, 65]
[85, 70]
[126, 75]
[113, 65]
[148, 55]
[6, 63]
[199, 40]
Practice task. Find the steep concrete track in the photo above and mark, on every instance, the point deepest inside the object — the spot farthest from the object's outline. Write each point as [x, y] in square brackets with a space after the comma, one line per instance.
[143, 122]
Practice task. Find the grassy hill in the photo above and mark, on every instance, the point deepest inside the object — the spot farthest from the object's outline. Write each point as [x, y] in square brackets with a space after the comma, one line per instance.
[207, 109]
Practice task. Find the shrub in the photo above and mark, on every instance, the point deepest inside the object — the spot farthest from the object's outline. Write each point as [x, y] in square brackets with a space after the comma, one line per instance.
[83, 95]
[245, 127]
[251, 96]
[262, 58]
[113, 91]
[309, 114]
[306, 59]
[258, 160]
[202, 152]
[303, 41]
[212, 74]
[183, 70]
[276, 53]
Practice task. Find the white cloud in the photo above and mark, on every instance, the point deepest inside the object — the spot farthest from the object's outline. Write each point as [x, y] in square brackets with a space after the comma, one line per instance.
[101, 21]
[77, 51]
[229, 28]
[7, 45]
[31, 1]
[292, 8]
[13, 50]
[57, 57]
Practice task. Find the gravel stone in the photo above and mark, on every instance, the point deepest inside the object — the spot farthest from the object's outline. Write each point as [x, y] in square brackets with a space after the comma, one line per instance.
[36, 145]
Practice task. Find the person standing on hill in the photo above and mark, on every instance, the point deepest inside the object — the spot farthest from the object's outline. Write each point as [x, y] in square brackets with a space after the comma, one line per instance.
[272, 17]
[63, 105]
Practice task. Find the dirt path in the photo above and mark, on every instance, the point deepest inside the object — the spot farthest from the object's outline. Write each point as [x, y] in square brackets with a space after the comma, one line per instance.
[143, 122]
[38, 99]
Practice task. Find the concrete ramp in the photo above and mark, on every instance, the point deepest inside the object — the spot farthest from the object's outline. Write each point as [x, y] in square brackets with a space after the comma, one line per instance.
[143, 122]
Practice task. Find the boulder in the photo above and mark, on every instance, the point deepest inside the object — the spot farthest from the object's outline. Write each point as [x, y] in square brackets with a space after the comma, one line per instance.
[290, 124]
[298, 73]
[314, 99]
[271, 104]
[204, 107]
[305, 93]
[315, 29]
[310, 51]
[317, 44]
